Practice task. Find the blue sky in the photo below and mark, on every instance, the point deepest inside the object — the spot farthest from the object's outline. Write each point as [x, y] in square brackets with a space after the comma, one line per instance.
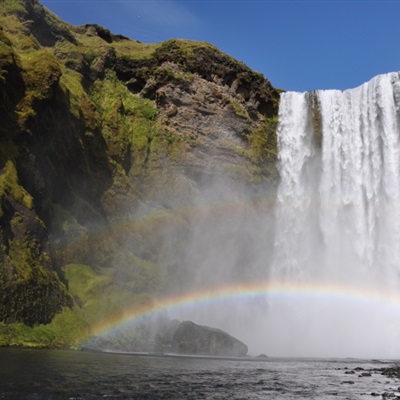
[298, 45]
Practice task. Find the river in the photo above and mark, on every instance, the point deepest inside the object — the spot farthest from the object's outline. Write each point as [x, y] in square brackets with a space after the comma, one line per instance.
[52, 374]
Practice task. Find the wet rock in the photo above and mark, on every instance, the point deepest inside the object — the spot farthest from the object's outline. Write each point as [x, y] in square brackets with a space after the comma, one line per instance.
[364, 374]
[191, 338]
[388, 395]
[391, 372]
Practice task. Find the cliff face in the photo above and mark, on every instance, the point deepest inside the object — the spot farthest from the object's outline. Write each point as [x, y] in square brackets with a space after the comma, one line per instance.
[95, 127]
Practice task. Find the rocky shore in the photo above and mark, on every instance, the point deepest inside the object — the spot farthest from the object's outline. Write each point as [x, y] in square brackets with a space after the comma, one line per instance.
[392, 372]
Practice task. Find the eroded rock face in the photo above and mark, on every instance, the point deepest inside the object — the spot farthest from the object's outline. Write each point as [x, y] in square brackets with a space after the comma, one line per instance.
[191, 338]
[211, 102]
[97, 129]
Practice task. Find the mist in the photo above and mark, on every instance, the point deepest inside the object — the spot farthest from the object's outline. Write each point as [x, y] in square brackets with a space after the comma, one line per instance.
[331, 239]
[311, 267]
[230, 243]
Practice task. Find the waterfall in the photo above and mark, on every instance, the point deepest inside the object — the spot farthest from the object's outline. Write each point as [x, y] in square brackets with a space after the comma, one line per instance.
[338, 221]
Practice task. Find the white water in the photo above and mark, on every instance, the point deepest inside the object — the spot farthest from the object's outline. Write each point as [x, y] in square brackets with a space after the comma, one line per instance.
[338, 221]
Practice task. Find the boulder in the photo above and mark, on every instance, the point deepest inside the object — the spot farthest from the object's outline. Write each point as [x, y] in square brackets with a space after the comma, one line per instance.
[191, 338]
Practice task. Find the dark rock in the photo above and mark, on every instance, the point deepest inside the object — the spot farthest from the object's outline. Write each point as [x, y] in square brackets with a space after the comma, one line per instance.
[391, 372]
[97, 30]
[45, 27]
[388, 395]
[191, 338]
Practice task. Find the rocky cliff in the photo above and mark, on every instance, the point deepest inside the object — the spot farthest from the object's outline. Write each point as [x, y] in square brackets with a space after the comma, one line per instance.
[191, 338]
[96, 130]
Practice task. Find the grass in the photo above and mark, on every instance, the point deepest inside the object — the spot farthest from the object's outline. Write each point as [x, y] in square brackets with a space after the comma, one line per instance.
[97, 299]
[127, 121]
[12, 7]
[133, 50]
[187, 47]
[41, 72]
[239, 109]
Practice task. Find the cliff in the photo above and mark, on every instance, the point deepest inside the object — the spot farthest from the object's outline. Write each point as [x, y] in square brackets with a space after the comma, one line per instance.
[96, 130]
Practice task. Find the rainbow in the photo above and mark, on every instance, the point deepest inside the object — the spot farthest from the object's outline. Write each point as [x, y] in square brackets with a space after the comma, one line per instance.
[288, 291]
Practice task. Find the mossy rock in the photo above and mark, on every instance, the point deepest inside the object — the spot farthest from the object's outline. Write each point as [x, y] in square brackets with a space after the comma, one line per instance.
[84, 143]
[10, 186]
[264, 147]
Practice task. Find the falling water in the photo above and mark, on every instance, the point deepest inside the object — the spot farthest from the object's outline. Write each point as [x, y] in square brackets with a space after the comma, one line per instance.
[338, 221]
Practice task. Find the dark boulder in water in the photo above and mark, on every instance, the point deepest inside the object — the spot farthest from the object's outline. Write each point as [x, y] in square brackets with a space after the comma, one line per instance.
[191, 338]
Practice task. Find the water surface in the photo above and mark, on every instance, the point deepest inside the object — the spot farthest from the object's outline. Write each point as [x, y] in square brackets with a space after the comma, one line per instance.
[50, 374]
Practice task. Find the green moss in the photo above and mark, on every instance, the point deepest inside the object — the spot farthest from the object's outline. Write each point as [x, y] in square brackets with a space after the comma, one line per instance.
[127, 121]
[70, 83]
[164, 74]
[6, 56]
[263, 142]
[97, 299]
[84, 283]
[16, 31]
[186, 48]
[41, 71]
[63, 332]
[100, 298]
[81, 107]
[13, 7]
[133, 50]
[75, 55]
[9, 185]
[239, 109]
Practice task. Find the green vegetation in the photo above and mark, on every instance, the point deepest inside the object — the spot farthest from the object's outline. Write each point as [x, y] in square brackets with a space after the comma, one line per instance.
[41, 72]
[263, 142]
[6, 58]
[12, 7]
[97, 299]
[128, 122]
[86, 134]
[239, 109]
[98, 296]
[65, 331]
[133, 50]
[9, 185]
[187, 51]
